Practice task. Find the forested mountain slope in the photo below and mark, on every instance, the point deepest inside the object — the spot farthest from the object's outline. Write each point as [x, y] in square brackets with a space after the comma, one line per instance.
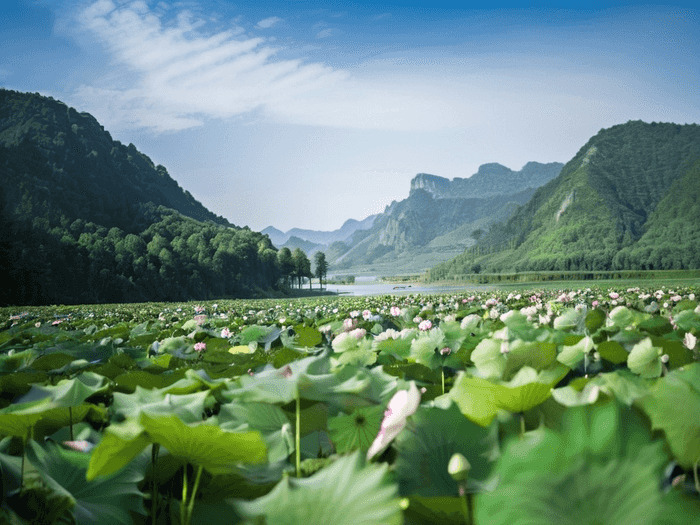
[88, 219]
[617, 204]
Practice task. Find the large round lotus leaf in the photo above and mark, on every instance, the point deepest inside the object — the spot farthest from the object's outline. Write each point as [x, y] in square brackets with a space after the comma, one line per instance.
[344, 493]
[644, 359]
[572, 355]
[357, 430]
[106, 501]
[424, 450]
[308, 336]
[270, 420]
[480, 399]
[673, 406]
[205, 445]
[17, 420]
[488, 358]
[582, 476]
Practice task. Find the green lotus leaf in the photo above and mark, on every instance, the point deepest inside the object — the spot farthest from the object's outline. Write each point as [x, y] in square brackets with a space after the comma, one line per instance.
[644, 359]
[537, 355]
[18, 419]
[572, 355]
[441, 509]
[625, 386]
[570, 397]
[599, 469]
[52, 361]
[687, 320]
[357, 357]
[308, 336]
[488, 358]
[204, 445]
[105, 501]
[357, 430]
[673, 405]
[188, 407]
[130, 381]
[622, 317]
[400, 347]
[270, 420]
[72, 392]
[347, 492]
[480, 399]
[120, 444]
[613, 351]
[571, 319]
[424, 451]
[595, 319]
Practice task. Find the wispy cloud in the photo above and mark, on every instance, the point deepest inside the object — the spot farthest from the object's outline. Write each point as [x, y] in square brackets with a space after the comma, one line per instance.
[178, 74]
[169, 73]
[268, 22]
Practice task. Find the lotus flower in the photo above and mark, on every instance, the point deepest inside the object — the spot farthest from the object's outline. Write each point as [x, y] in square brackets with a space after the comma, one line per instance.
[403, 404]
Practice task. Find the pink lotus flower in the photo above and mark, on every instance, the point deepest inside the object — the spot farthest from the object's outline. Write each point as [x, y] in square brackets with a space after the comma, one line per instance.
[395, 311]
[690, 341]
[614, 295]
[200, 347]
[366, 314]
[402, 405]
[594, 304]
[225, 333]
[425, 325]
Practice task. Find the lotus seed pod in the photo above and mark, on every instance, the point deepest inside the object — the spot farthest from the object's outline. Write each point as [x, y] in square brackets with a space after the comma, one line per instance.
[458, 467]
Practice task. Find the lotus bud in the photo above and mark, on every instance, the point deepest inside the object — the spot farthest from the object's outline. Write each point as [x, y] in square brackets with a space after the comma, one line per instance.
[458, 467]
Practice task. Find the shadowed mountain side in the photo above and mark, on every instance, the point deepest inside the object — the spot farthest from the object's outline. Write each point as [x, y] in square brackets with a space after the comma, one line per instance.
[88, 219]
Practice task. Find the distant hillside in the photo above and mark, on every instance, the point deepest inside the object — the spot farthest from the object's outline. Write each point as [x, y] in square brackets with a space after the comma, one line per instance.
[439, 219]
[625, 201]
[88, 219]
[320, 238]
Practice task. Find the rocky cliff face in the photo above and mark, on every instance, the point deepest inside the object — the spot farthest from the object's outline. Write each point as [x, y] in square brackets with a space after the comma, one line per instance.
[490, 180]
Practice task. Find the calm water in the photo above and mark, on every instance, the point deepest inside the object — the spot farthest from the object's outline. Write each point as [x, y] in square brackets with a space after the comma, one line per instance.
[369, 288]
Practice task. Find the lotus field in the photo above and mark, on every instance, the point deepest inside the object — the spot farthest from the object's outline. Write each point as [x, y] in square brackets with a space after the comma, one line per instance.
[537, 407]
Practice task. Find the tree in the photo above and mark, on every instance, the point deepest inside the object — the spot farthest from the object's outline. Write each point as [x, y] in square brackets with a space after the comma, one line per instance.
[302, 265]
[321, 267]
[285, 264]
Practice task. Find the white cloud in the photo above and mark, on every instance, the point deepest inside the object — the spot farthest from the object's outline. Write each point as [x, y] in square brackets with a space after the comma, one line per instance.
[169, 74]
[325, 33]
[268, 22]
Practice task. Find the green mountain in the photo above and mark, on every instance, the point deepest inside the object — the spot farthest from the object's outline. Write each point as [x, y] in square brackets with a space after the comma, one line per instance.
[627, 200]
[88, 219]
[439, 219]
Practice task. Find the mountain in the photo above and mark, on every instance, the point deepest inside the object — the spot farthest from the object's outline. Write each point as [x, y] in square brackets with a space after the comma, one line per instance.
[625, 201]
[490, 180]
[88, 219]
[439, 219]
[344, 233]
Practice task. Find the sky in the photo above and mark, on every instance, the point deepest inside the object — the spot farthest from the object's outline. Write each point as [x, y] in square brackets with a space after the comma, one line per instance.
[305, 114]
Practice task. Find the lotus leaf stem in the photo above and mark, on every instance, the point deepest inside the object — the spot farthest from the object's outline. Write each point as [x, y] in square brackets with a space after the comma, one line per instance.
[297, 437]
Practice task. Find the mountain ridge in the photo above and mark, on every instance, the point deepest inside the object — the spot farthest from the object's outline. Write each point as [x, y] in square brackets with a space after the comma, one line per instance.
[594, 214]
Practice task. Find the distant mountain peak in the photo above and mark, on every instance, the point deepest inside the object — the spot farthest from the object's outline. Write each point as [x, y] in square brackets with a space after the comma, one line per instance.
[490, 179]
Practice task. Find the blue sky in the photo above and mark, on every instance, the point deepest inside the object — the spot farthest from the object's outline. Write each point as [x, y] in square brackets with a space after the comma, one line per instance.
[305, 114]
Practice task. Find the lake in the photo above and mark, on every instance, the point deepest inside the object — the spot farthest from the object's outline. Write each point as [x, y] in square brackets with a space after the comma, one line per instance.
[370, 288]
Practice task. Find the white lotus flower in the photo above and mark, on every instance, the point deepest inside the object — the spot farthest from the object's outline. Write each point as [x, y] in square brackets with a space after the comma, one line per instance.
[402, 405]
